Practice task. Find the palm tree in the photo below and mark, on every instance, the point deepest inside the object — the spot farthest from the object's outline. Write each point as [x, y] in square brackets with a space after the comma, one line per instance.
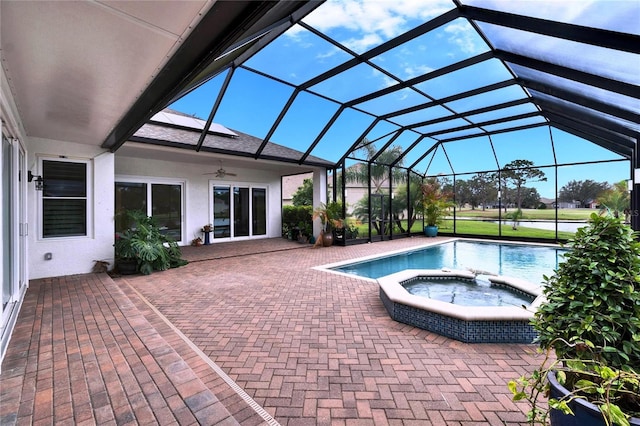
[615, 199]
[377, 176]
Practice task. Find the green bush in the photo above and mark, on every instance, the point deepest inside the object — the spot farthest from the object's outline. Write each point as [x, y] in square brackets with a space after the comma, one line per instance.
[144, 243]
[594, 296]
[296, 217]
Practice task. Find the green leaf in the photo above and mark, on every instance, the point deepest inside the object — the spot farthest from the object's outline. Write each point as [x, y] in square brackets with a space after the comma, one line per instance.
[615, 414]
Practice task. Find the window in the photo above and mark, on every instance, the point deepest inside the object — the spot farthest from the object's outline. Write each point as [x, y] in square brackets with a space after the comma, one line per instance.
[64, 198]
[162, 201]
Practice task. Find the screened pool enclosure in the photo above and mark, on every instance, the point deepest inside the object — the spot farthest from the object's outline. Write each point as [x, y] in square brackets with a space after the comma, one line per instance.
[529, 106]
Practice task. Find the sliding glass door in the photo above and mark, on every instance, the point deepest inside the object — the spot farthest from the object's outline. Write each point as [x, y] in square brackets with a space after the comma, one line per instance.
[14, 231]
[239, 211]
[259, 211]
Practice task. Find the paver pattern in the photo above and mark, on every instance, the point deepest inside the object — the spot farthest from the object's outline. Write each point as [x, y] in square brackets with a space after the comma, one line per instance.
[309, 346]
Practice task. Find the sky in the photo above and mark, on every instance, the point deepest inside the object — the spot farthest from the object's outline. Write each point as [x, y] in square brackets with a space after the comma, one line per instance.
[253, 102]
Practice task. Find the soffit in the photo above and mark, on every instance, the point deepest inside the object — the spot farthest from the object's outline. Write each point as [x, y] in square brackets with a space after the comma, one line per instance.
[75, 68]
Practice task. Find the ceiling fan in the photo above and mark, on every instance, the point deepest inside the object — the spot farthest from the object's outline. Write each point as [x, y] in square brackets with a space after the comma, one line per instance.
[221, 173]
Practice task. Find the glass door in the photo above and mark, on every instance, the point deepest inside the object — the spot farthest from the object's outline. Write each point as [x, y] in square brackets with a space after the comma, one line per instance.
[22, 218]
[380, 223]
[166, 209]
[239, 211]
[7, 223]
[259, 211]
[221, 212]
[14, 229]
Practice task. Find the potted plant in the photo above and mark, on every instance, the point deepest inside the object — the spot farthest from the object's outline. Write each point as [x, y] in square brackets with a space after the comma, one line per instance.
[329, 215]
[435, 204]
[591, 321]
[143, 248]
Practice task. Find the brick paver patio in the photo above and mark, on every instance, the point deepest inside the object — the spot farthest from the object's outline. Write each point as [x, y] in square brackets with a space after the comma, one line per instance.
[247, 333]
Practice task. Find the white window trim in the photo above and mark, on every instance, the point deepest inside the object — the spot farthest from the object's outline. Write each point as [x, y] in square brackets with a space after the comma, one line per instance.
[238, 184]
[163, 181]
[89, 197]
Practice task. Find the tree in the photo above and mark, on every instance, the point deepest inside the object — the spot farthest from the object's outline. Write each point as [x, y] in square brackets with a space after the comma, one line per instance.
[530, 198]
[400, 203]
[615, 199]
[465, 193]
[583, 191]
[304, 194]
[483, 188]
[379, 179]
[520, 172]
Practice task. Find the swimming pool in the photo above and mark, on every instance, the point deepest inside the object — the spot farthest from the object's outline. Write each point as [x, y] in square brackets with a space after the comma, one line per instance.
[523, 261]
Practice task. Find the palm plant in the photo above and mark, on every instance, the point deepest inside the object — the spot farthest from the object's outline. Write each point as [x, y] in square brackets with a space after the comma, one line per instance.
[616, 199]
[435, 202]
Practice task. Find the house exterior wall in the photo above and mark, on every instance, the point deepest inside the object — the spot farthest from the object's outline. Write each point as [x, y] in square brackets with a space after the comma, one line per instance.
[72, 255]
[197, 181]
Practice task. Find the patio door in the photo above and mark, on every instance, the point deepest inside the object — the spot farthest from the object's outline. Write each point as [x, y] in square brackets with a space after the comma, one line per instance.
[379, 222]
[239, 211]
[14, 234]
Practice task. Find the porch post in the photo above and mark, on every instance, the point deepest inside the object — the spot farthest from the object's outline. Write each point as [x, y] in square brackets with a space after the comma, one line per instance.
[319, 195]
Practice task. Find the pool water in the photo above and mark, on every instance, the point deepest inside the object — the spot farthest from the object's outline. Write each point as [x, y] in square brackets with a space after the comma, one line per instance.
[523, 261]
[458, 291]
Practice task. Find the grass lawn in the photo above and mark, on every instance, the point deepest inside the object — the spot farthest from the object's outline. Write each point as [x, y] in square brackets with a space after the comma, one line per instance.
[480, 228]
[487, 228]
[545, 214]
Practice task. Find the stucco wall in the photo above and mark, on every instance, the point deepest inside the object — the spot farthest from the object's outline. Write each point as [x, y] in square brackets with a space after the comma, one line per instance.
[72, 255]
[197, 209]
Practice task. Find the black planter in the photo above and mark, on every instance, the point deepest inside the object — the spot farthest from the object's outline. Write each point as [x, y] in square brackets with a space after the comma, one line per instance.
[586, 414]
[127, 266]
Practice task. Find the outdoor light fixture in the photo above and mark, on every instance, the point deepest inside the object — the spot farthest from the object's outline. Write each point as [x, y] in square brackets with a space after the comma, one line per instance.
[630, 185]
[38, 179]
[499, 194]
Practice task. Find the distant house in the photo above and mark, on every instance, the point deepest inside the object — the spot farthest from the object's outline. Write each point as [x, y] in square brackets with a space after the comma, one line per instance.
[290, 185]
[591, 204]
[567, 205]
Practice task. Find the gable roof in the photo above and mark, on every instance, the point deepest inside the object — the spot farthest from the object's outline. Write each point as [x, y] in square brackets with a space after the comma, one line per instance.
[229, 142]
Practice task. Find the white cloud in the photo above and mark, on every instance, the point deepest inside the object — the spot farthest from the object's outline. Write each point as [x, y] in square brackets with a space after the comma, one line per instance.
[362, 44]
[328, 53]
[415, 70]
[374, 21]
[385, 81]
[464, 36]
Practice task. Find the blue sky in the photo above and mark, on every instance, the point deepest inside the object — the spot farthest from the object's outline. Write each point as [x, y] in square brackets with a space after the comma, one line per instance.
[252, 102]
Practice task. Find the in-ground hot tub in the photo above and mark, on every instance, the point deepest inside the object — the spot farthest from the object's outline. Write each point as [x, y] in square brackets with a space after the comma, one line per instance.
[501, 323]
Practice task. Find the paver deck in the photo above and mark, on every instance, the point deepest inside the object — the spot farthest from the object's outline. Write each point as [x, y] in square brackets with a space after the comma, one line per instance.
[247, 333]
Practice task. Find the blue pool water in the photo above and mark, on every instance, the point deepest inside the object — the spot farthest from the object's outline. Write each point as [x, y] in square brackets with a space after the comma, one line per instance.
[527, 262]
[467, 292]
